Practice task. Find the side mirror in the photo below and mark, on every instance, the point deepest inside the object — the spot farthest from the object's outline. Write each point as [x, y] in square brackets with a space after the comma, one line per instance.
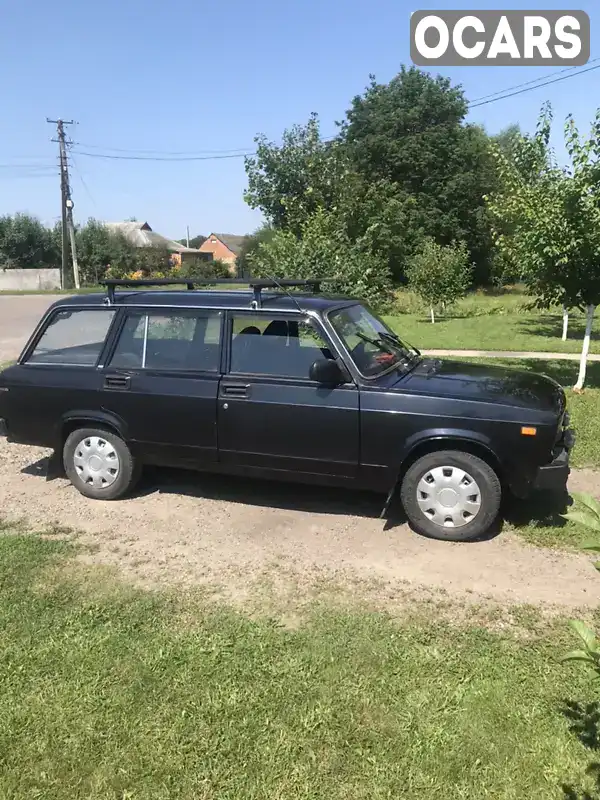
[326, 372]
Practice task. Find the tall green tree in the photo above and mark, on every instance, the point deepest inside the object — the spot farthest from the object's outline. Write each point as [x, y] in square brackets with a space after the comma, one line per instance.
[291, 181]
[404, 166]
[554, 221]
[412, 133]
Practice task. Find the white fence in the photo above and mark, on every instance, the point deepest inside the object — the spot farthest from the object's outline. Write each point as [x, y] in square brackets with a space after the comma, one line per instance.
[29, 279]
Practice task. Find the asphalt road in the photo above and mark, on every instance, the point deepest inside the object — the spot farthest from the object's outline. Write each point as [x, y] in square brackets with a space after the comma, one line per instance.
[19, 314]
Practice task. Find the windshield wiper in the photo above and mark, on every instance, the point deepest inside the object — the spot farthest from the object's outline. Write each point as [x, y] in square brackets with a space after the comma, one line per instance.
[378, 343]
[392, 337]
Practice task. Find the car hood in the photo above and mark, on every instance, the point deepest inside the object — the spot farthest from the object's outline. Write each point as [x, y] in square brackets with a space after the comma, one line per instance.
[490, 384]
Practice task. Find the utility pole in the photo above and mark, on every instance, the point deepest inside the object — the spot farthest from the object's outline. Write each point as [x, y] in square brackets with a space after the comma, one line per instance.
[68, 228]
[187, 238]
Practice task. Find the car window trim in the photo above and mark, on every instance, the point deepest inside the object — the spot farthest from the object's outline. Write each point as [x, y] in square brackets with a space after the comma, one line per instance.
[307, 316]
[42, 327]
[145, 311]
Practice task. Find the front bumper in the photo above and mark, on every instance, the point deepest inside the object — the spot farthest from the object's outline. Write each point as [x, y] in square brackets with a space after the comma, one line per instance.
[554, 476]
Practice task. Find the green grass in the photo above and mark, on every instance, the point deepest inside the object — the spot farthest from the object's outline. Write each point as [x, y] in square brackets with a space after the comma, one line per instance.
[519, 332]
[489, 321]
[107, 692]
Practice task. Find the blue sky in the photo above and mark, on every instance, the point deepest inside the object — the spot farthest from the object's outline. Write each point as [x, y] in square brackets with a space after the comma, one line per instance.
[205, 76]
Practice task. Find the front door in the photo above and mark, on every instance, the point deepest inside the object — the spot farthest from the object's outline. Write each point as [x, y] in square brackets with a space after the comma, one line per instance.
[270, 414]
[162, 380]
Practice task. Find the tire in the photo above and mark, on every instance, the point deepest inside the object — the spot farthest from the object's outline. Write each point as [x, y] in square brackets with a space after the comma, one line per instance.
[99, 464]
[451, 495]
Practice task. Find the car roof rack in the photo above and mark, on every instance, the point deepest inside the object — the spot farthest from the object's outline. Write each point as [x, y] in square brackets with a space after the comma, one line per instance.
[256, 284]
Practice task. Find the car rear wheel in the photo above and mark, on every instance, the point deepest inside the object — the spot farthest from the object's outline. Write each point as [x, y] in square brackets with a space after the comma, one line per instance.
[99, 464]
[451, 495]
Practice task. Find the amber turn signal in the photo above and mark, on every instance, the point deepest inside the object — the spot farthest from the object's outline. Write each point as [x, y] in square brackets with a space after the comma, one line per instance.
[529, 431]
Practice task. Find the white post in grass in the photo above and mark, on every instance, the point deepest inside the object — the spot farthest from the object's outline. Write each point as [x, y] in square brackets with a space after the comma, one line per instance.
[432, 314]
[565, 323]
[589, 321]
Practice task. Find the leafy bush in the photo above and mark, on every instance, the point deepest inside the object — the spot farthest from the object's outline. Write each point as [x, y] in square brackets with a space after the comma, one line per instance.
[26, 243]
[324, 251]
[589, 517]
[439, 275]
[203, 270]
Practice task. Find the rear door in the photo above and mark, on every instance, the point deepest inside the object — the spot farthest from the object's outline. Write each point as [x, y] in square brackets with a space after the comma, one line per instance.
[270, 414]
[59, 373]
[162, 380]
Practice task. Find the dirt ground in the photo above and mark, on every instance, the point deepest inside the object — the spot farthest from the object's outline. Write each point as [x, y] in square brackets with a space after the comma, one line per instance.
[19, 314]
[232, 535]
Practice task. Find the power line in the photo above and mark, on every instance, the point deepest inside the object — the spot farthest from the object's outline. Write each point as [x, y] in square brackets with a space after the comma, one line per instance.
[160, 152]
[531, 88]
[83, 183]
[162, 158]
[504, 94]
[529, 83]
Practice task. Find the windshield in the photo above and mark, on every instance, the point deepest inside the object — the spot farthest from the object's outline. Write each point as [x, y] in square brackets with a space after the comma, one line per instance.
[374, 347]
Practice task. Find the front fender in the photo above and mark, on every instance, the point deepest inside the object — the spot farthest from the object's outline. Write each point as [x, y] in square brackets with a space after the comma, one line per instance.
[451, 435]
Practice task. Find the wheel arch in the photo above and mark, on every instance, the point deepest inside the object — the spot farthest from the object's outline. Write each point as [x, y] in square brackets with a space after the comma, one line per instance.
[91, 419]
[465, 441]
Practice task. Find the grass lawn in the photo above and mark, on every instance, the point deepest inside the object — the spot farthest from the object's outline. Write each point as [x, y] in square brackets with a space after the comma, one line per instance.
[107, 692]
[489, 321]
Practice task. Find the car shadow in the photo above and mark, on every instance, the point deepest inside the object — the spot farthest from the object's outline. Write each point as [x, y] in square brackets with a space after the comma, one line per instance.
[541, 509]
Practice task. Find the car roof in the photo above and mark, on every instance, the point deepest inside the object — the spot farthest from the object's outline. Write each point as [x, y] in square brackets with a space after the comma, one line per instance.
[195, 298]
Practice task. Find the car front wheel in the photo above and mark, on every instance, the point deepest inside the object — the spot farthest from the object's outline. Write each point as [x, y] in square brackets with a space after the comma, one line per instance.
[99, 464]
[451, 495]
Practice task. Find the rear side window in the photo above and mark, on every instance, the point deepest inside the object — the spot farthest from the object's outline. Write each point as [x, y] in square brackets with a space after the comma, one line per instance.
[73, 338]
[182, 340]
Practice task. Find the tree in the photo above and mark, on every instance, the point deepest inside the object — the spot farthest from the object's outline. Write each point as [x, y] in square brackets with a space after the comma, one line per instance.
[554, 221]
[439, 274]
[403, 166]
[411, 133]
[263, 234]
[196, 241]
[508, 139]
[98, 248]
[323, 250]
[292, 181]
[25, 242]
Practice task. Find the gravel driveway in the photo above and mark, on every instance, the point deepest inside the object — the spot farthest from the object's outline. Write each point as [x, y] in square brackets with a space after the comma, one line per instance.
[232, 534]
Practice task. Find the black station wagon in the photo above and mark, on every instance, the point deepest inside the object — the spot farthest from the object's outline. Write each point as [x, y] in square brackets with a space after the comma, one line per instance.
[295, 385]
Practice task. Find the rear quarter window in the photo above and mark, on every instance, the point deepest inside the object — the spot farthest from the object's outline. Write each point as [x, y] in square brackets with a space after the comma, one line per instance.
[73, 338]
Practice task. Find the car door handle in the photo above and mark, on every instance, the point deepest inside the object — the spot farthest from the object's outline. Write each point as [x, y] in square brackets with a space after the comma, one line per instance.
[236, 389]
[117, 382]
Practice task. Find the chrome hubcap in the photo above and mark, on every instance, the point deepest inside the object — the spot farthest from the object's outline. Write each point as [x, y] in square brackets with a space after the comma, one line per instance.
[449, 497]
[96, 462]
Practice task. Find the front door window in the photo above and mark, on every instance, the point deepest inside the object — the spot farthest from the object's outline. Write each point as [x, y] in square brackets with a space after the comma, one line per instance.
[279, 347]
